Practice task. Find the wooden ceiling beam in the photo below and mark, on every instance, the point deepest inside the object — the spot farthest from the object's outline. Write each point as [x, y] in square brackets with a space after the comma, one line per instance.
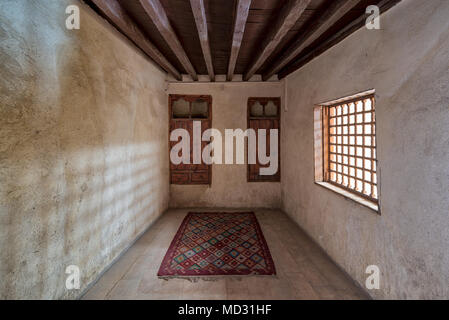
[115, 13]
[334, 12]
[199, 13]
[241, 16]
[336, 38]
[156, 12]
[286, 20]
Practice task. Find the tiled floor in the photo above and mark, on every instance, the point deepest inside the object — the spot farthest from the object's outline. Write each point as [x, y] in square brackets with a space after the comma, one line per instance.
[303, 270]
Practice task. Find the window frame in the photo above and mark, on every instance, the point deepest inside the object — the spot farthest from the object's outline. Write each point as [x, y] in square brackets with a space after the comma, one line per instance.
[322, 143]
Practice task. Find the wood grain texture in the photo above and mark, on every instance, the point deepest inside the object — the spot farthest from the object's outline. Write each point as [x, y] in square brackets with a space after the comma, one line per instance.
[335, 11]
[336, 38]
[241, 16]
[115, 13]
[156, 12]
[199, 14]
[286, 20]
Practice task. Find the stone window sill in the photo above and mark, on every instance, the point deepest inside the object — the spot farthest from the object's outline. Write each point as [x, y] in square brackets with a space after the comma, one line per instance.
[348, 195]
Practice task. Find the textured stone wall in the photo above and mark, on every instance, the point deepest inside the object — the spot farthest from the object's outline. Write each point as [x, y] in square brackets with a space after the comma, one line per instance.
[229, 186]
[407, 62]
[83, 147]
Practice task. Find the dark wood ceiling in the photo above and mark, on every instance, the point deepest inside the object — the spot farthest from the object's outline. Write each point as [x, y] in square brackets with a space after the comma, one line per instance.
[264, 17]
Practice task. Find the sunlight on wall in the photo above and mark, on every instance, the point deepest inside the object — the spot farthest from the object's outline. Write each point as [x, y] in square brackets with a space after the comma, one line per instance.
[83, 147]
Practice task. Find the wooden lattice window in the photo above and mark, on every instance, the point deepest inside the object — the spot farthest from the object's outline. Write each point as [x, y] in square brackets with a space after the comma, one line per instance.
[345, 145]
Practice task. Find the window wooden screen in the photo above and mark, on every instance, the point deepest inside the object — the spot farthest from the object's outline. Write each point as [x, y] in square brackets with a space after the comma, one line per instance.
[184, 109]
[264, 113]
[349, 146]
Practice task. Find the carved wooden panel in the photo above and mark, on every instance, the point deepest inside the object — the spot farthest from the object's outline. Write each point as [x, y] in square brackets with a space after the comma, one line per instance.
[264, 113]
[184, 110]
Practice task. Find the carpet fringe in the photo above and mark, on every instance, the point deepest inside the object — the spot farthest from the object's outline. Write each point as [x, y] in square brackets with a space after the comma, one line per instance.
[195, 279]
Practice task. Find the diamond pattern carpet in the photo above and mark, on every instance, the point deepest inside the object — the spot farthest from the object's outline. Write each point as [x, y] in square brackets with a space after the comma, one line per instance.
[218, 243]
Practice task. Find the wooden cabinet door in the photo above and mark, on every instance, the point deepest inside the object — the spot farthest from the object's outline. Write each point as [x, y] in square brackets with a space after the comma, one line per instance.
[190, 173]
[254, 169]
[265, 116]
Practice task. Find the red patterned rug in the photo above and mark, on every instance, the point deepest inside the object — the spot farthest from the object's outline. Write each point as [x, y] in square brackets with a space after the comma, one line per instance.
[218, 243]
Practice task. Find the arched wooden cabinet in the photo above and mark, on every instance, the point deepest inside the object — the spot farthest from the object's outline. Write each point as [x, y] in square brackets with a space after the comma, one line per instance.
[183, 111]
[264, 113]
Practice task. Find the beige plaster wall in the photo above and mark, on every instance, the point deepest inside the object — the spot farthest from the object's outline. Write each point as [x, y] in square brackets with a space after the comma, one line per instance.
[229, 186]
[83, 147]
[407, 62]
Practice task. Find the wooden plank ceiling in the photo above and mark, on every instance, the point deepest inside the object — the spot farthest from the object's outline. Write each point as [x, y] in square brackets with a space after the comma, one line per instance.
[231, 37]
